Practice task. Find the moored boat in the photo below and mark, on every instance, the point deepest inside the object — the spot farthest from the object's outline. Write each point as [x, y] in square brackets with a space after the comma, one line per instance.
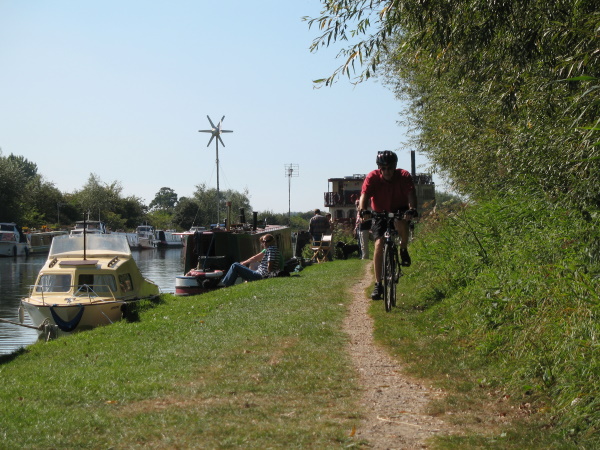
[85, 282]
[12, 241]
[209, 254]
[146, 238]
[40, 241]
[168, 239]
[90, 227]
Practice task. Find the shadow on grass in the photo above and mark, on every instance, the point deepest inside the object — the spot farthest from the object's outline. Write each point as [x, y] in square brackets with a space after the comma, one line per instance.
[132, 310]
[4, 359]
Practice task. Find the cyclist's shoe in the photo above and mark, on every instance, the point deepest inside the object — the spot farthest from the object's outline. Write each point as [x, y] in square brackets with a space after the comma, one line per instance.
[377, 292]
[405, 257]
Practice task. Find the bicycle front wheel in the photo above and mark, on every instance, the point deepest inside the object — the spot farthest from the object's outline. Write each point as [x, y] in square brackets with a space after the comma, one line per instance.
[389, 276]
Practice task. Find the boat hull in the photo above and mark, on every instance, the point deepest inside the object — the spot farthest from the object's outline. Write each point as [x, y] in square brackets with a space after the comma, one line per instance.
[14, 249]
[75, 317]
[197, 282]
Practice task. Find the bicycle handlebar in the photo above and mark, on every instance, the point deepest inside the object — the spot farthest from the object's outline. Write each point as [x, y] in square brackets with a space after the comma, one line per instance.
[389, 215]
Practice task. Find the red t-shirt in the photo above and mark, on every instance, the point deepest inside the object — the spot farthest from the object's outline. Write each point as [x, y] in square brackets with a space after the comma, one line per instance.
[389, 196]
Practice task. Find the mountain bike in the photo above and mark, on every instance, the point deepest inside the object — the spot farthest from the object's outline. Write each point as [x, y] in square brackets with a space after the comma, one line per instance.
[391, 268]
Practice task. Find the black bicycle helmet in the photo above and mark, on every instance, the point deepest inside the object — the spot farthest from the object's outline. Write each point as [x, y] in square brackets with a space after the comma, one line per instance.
[386, 158]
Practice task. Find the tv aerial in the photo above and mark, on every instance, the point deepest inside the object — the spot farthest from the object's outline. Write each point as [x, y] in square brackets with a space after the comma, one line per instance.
[215, 132]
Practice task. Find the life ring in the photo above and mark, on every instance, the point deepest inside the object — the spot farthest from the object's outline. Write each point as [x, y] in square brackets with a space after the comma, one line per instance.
[198, 273]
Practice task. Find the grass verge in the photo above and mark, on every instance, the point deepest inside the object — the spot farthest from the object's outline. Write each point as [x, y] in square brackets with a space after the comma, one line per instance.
[500, 307]
[257, 365]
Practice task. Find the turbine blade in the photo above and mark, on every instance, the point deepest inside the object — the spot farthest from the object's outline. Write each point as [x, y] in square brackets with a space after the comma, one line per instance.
[211, 138]
[205, 131]
[219, 138]
[226, 131]
[211, 124]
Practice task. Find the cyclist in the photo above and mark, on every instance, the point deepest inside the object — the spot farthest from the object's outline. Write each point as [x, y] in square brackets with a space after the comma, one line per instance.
[391, 190]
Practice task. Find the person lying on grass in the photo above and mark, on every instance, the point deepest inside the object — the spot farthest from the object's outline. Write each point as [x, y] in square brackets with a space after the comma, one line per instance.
[269, 262]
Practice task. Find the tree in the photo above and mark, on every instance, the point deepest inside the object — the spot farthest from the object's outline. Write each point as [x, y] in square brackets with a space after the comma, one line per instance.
[13, 179]
[500, 93]
[132, 210]
[185, 213]
[206, 199]
[201, 209]
[40, 202]
[97, 198]
[165, 200]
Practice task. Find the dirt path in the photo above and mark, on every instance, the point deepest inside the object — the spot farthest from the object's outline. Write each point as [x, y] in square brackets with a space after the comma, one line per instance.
[394, 404]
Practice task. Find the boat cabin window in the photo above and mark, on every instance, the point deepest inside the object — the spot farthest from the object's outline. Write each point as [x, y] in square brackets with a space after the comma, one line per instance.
[98, 283]
[125, 282]
[54, 283]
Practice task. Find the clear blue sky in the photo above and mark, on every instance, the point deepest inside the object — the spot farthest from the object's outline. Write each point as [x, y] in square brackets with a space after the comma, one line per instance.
[121, 88]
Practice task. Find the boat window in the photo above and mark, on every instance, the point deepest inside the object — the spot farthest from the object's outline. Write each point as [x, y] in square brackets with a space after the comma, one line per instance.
[99, 283]
[125, 282]
[54, 283]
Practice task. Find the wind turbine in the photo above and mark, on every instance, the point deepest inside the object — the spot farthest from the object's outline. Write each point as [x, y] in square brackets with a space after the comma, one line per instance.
[216, 132]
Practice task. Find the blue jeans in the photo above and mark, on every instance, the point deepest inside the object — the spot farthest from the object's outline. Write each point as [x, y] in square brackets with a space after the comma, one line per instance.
[239, 270]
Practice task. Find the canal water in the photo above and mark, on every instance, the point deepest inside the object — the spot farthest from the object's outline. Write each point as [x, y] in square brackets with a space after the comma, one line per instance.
[17, 274]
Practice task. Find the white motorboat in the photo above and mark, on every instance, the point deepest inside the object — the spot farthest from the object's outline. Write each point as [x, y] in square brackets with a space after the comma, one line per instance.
[12, 241]
[90, 227]
[85, 282]
[146, 238]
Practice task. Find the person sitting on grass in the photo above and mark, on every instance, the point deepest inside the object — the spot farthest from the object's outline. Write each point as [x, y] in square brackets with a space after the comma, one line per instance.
[269, 262]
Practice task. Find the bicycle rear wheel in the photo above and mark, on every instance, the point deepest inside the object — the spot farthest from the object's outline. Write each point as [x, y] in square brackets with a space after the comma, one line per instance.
[397, 273]
[389, 276]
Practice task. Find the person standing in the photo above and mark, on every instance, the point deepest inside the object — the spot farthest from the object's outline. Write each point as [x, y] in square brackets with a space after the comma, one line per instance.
[318, 226]
[362, 229]
[391, 190]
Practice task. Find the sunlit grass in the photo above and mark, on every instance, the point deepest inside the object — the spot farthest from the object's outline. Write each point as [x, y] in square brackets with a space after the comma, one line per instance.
[500, 308]
[257, 365]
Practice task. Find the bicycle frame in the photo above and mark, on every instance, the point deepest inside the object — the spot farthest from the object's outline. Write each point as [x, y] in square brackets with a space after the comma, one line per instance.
[391, 269]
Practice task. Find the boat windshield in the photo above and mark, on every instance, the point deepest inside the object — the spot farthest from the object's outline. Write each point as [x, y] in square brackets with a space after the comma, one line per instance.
[54, 283]
[95, 243]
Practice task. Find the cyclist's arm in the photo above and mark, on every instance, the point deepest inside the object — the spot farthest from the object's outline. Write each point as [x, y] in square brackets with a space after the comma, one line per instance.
[412, 199]
[363, 203]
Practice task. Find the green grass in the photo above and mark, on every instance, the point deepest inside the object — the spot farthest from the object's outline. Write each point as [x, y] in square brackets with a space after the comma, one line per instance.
[500, 307]
[257, 365]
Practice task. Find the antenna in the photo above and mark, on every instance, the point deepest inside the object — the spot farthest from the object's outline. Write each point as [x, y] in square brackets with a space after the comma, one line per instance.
[291, 170]
[216, 132]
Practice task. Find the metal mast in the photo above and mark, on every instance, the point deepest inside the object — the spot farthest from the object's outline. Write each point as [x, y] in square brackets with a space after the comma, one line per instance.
[216, 132]
[291, 170]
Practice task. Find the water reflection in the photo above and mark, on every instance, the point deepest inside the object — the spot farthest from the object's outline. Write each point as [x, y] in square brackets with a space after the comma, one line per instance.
[17, 274]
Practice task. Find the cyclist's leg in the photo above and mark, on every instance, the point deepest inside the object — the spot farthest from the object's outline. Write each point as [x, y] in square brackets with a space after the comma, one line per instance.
[378, 258]
[402, 228]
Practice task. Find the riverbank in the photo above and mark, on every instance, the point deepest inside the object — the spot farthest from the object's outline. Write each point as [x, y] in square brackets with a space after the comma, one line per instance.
[259, 365]
[502, 326]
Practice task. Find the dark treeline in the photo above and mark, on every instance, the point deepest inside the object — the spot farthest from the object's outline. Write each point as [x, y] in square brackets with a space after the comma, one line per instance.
[29, 200]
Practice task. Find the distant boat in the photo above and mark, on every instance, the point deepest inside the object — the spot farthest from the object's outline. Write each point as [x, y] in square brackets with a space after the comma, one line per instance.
[209, 254]
[167, 239]
[40, 241]
[85, 282]
[90, 226]
[146, 238]
[12, 241]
